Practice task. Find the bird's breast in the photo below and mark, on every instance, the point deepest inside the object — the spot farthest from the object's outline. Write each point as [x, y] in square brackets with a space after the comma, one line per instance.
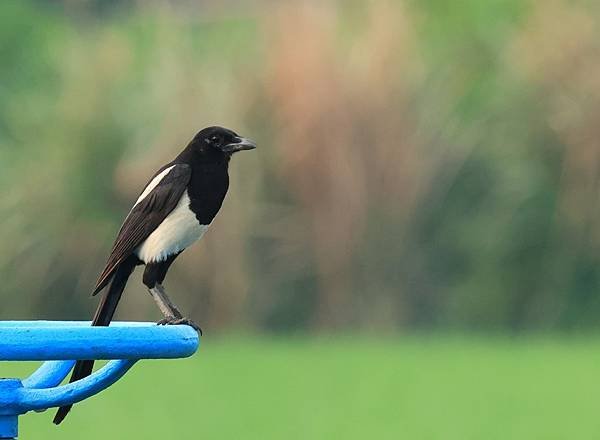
[178, 230]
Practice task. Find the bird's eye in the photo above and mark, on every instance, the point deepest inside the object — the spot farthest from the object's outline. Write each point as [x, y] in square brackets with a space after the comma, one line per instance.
[216, 140]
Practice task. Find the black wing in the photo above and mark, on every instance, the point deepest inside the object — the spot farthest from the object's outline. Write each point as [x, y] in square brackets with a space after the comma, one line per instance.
[145, 217]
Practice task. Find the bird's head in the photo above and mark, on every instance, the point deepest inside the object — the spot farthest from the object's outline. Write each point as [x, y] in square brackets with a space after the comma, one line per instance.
[221, 141]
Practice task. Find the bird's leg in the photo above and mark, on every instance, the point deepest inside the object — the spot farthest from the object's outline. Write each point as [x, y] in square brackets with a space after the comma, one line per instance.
[168, 309]
[171, 313]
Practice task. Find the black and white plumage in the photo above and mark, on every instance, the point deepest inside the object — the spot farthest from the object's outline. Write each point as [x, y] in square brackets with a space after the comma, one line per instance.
[173, 211]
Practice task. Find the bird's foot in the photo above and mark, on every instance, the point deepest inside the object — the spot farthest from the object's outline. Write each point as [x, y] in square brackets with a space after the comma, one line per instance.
[180, 321]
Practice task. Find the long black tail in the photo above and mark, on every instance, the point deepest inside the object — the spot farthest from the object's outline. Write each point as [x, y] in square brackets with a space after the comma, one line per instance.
[104, 314]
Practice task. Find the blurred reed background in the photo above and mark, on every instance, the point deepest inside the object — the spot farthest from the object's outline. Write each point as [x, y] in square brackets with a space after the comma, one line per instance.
[426, 187]
[421, 164]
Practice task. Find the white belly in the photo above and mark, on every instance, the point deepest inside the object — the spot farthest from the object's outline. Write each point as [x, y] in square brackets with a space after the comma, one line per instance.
[178, 231]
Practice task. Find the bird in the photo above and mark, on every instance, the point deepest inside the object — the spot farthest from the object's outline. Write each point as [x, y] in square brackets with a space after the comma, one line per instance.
[173, 211]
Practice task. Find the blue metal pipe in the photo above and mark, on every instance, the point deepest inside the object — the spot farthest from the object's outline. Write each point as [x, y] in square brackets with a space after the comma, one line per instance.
[49, 375]
[8, 427]
[31, 399]
[60, 343]
[29, 341]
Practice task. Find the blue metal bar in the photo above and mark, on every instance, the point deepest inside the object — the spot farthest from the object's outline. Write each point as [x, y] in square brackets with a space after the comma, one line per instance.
[44, 324]
[61, 343]
[49, 375]
[35, 341]
[9, 389]
[8, 427]
[37, 399]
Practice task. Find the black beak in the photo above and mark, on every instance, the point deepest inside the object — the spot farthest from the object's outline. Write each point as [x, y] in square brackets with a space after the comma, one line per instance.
[239, 145]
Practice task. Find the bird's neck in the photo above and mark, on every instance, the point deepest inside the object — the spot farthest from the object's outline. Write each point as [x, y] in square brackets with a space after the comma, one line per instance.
[208, 184]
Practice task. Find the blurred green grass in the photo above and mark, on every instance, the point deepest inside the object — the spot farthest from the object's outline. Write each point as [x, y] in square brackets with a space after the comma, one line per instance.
[386, 388]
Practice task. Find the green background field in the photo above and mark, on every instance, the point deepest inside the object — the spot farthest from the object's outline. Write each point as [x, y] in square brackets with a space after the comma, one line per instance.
[346, 388]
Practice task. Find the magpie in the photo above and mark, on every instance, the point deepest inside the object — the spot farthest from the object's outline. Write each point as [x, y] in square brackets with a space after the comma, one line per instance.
[173, 211]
